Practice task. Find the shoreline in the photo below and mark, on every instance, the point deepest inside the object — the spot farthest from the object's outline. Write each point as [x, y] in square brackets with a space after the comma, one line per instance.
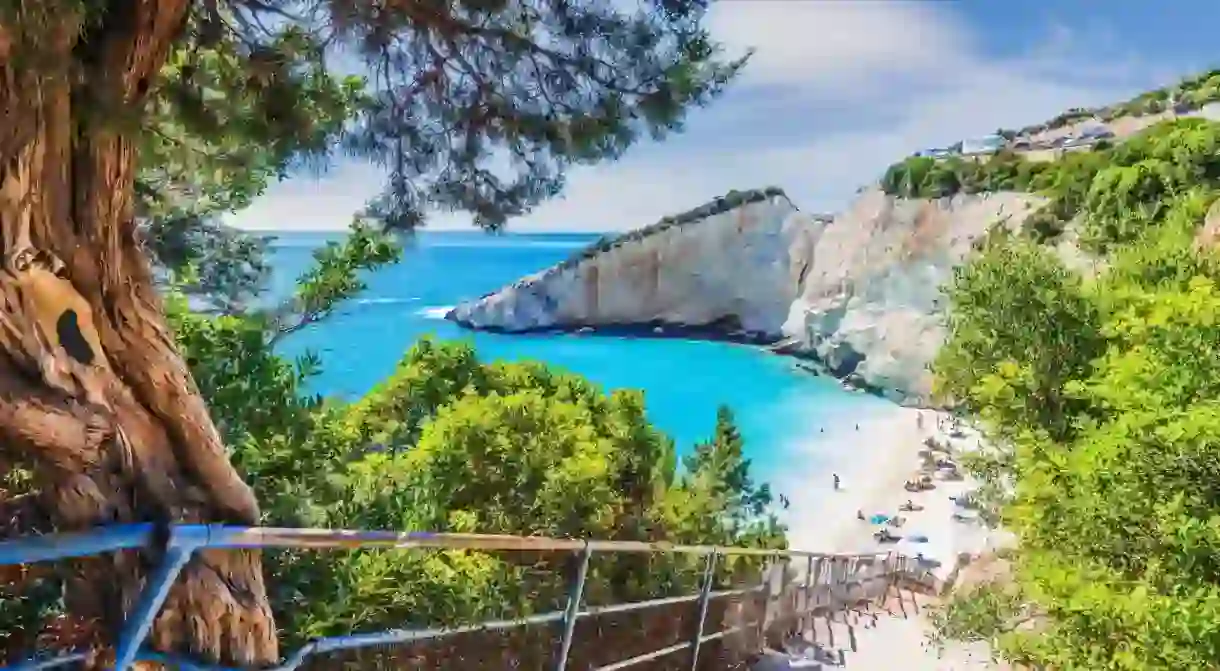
[887, 442]
[724, 331]
[883, 453]
[875, 451]
[874, 462]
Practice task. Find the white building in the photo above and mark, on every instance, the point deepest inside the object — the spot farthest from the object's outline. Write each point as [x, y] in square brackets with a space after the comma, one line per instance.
[988, 144]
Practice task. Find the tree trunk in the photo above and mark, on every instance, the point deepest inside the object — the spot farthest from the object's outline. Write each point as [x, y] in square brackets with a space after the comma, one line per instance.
[94, 397]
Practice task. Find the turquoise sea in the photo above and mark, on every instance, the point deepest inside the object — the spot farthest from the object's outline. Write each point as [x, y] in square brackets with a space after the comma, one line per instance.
[780, 409]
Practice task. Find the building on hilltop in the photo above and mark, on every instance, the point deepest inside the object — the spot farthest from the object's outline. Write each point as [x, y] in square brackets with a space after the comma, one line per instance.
[988, 144]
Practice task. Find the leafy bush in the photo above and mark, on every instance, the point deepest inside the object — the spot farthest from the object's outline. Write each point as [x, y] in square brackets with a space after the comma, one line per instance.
[1098, 396]
[447, 443]
[926, 177]
[1117, 191]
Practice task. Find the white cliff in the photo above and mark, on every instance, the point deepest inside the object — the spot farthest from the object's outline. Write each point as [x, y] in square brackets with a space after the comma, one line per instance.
[726, 264]
[871, 304]
[862, 293]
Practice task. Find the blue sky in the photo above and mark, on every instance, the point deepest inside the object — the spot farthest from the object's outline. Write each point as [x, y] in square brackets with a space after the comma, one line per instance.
[837, 91]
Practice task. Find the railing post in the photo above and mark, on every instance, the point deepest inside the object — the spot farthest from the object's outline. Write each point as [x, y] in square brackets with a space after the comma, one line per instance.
[572, 611]
[705, 596]
[182, 543]
[781, 599]
[806, 616]
[831, 580]
[768, 579]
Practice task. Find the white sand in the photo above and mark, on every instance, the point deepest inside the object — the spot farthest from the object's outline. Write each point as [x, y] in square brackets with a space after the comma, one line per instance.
[876, 459]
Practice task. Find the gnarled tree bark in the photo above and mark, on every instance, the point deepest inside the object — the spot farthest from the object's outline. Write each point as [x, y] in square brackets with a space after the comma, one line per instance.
[94, 397]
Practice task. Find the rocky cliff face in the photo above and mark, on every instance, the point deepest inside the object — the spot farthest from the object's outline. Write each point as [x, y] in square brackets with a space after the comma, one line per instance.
[725, 267]
[871, 304]
[860, 292]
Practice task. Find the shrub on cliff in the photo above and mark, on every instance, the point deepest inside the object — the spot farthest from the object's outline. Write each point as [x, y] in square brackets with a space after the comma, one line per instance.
[926, 177]
[1099, 397]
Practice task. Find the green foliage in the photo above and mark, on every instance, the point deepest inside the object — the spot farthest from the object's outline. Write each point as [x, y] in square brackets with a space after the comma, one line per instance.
[1099, 397]
[980, 614]
[215, 137]
[478, 107]
[1000, 360]
[447, 443]
[720, 474]
[1117, 192]
[927, 177]
[335, 275]
[225, 121]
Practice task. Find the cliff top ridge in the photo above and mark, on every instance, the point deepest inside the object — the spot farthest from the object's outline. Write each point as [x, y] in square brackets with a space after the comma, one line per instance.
[731, 200]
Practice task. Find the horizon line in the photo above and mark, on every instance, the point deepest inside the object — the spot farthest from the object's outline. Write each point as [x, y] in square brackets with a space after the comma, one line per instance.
[424, 229]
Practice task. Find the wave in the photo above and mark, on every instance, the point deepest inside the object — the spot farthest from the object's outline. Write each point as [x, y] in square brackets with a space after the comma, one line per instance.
[297, 240]
[435, 312]
[514, 244]
[384, 301]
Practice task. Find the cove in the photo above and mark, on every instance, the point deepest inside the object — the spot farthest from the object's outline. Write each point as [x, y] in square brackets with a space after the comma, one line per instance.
[780, 409]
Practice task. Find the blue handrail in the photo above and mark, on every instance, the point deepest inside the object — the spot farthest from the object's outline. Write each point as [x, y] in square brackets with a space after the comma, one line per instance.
[182, 541]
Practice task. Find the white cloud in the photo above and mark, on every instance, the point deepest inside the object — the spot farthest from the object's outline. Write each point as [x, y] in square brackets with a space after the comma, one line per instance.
[313, 203]
[835, 92]
[840, 47]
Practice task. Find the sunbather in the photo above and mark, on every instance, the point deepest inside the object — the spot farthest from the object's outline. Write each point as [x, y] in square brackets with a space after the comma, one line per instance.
[884, 536]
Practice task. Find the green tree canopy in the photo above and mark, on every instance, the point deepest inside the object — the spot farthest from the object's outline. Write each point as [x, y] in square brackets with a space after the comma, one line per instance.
[1099, 395]
[131, 126]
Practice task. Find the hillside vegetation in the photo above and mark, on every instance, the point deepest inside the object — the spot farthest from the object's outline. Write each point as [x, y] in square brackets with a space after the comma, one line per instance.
[1190, 93]
[1115, 191]
[1100, 396]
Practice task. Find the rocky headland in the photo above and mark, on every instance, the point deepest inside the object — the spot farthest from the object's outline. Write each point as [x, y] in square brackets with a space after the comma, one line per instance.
[859, 293]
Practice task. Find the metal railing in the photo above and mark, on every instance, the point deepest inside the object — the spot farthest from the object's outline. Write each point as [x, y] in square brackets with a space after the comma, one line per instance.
[831, 581]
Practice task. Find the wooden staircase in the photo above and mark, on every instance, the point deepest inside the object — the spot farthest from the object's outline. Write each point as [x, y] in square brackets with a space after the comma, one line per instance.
[820, 628]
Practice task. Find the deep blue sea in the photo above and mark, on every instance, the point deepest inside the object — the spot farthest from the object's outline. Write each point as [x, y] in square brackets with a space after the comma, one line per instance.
[779, 408]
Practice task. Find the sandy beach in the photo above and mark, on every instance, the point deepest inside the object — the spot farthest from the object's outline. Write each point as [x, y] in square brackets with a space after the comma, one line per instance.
[879, 455]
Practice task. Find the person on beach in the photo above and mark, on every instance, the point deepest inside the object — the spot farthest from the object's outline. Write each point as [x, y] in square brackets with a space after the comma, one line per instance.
[837, 481]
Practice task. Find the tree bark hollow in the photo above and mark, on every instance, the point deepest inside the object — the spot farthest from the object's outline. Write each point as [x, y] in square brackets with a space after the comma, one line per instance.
[94, 397]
